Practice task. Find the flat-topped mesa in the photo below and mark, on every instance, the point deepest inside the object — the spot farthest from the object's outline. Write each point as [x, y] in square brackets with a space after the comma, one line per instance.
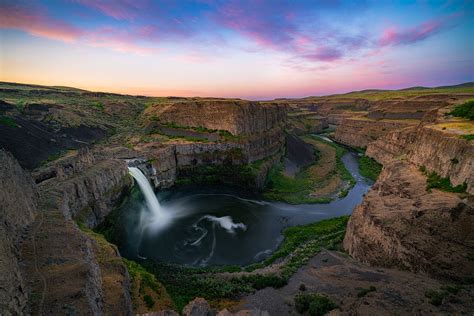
[235, 116]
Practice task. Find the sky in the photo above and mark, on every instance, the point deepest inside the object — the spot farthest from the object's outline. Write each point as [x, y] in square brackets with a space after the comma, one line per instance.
[253, 49]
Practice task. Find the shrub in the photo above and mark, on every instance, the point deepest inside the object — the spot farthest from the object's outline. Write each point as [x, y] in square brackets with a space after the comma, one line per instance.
[7, 121]
[149, 301]
[369, 168]
[465, 110]
[435, 181]
[467, 137]
[314, 304]
[364, 292]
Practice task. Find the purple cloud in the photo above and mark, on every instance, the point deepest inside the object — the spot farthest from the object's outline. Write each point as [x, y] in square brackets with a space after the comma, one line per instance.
[35, 21]
[394, 36]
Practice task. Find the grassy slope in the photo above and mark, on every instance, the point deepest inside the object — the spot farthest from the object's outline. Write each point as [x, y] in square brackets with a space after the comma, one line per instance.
[309, 180]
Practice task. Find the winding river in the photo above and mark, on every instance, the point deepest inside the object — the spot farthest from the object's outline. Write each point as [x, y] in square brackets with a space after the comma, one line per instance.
[216, 228]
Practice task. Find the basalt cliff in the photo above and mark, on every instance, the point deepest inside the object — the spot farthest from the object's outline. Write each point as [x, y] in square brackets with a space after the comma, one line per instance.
[412, 232]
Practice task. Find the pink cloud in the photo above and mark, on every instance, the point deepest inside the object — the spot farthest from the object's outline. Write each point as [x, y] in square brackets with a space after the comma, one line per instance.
[117, 40]
[36, 22]
[395, 36]
[118, 9]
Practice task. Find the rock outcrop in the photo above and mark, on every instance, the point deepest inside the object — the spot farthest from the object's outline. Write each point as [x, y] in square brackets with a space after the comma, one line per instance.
[89, 186]
[437, 150]
[359, 132]
[18, 209]
[235, 116]
[400, 224]
[258, 137]
[70, 270]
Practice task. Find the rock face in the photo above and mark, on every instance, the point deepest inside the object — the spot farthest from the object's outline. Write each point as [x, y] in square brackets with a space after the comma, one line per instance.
[235, 116]
[89, 186]
[18, 209]
[359, 132]
[404, 109]
[260, 138]
[437, 150]
[70, 270]
[400, 224]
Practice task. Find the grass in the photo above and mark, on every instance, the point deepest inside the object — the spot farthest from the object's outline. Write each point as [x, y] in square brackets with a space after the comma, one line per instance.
[313, 304]
[300, 244]
[369, 168]
[465, 110]
[435, 181]
[467, 137]
[225, 135]
[366, 291]
[8, 121]
[298, 189]
[306, 235]
[436, 298]
[146, 292]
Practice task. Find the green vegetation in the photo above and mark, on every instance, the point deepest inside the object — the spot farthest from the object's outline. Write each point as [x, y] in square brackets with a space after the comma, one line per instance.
[303, 242]
[300, 244]
[465, 110]
[188, 138]
[313, 304]
[7, 121]
[145, 289]
[437, 297]
[98, 105]
[435, 181]
[298, 189]
[366, 291]
[225, 135]
[468, 137]
[280, 187]
[369, 168]
[149, 301]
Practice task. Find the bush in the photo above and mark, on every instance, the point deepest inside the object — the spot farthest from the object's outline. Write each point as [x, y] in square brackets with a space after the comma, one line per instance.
[369, 168]
[314, 304]
[467, 137]
[465, 110]
[364, 292]
[149, 301]
[7, 121]
[435, 181]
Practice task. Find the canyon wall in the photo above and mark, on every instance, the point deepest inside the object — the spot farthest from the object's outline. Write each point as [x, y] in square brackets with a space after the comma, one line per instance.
[258, 131]
[437, 150]
[88, 186]
[400, 224]
[235, 116]
[48, 264]
[359, 132]
[18, 203]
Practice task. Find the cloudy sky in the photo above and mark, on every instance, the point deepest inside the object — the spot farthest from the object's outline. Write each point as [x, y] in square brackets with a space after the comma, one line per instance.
[249, 49]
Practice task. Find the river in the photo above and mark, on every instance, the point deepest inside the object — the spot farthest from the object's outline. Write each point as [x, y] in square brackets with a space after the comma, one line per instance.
[218, 227]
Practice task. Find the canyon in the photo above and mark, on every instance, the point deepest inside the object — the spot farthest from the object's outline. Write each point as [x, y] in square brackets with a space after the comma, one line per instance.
[65, 157]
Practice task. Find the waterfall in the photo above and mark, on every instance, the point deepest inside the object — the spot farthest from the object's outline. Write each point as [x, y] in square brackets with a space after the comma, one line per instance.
[150, 197]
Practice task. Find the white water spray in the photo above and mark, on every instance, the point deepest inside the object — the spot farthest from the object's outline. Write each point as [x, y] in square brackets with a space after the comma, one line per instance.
[145, 187]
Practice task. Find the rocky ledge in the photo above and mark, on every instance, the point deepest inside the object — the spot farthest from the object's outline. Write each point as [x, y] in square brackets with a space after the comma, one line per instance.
[401, 224]
[437, 150]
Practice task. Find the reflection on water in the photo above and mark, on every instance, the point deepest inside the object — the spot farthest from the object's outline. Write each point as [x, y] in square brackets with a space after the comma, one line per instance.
[219, 228]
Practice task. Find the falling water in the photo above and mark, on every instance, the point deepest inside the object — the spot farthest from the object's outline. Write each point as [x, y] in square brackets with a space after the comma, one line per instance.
[150, 197]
